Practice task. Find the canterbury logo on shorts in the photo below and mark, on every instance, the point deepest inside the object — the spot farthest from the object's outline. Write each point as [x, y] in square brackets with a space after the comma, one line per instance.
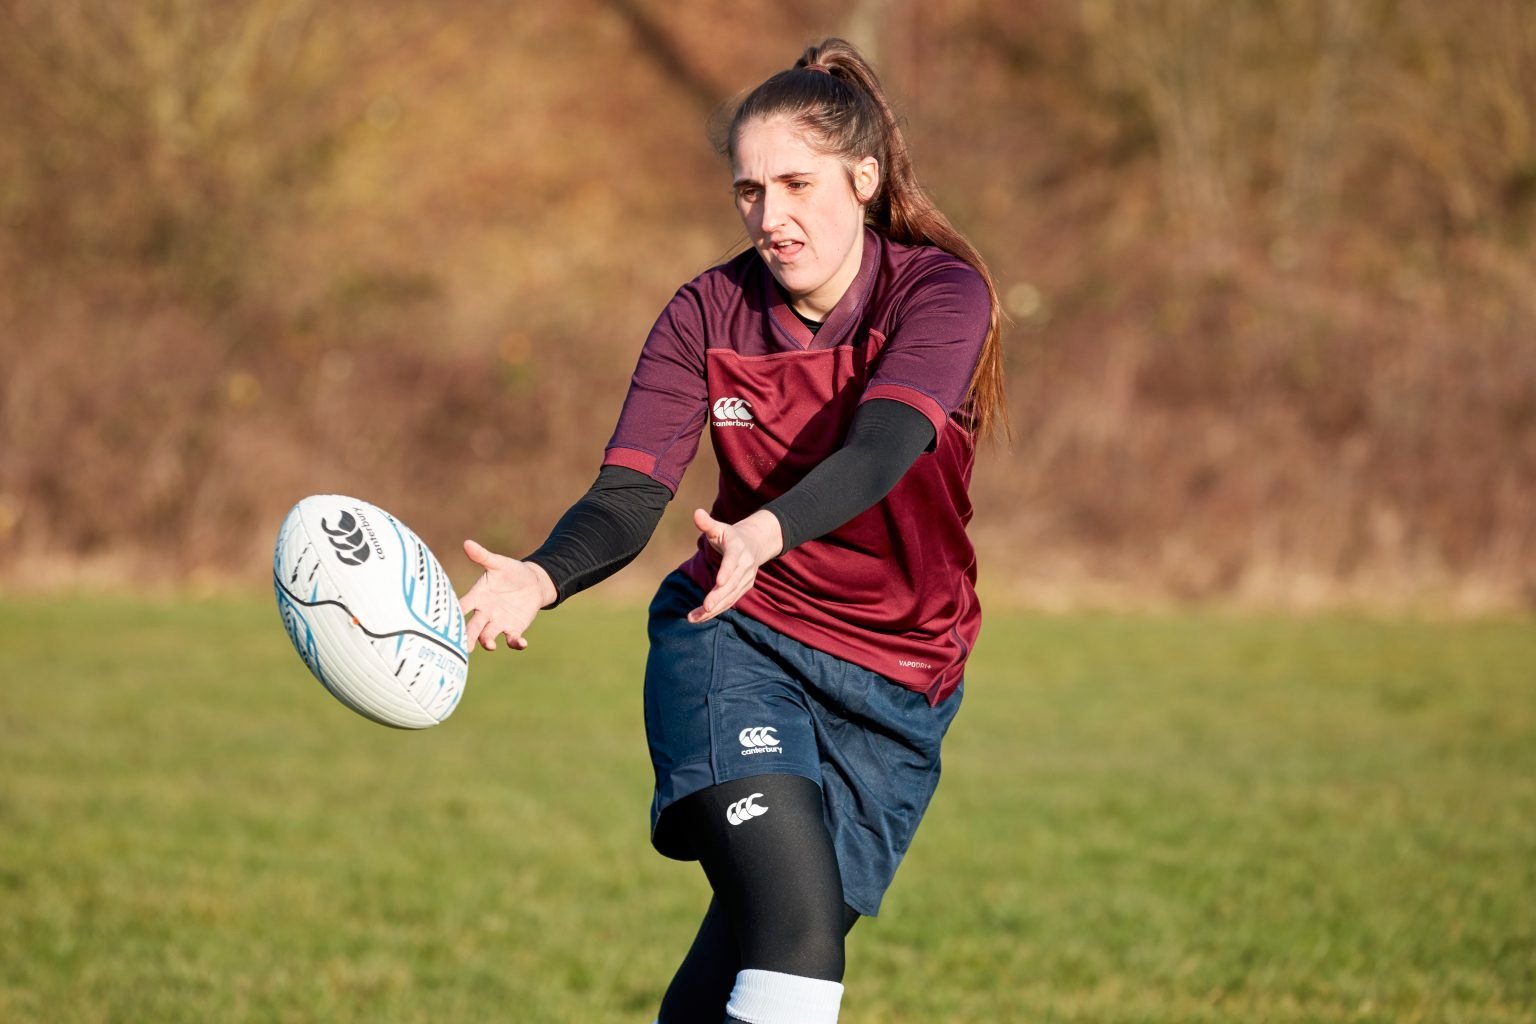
[732, 412]
[759, 739]
[743, 811]
[758, 736]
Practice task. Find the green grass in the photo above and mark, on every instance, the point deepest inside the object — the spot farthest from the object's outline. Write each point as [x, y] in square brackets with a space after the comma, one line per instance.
[1170, 819]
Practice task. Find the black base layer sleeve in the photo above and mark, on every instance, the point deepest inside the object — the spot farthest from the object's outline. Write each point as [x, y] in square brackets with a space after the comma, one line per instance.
[884, 439]
[603, 532]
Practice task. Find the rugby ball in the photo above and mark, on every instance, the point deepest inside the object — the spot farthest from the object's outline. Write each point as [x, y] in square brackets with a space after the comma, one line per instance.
[371, 611]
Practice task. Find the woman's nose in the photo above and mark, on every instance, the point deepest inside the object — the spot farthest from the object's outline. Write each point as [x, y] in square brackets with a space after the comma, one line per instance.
[773, 212]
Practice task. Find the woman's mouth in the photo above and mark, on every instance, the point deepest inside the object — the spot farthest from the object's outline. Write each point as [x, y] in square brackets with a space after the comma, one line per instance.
[786, 251]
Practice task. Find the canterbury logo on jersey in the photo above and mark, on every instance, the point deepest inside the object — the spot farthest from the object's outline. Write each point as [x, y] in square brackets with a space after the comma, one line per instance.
[743, 811]
[759, 740]
[732, 412]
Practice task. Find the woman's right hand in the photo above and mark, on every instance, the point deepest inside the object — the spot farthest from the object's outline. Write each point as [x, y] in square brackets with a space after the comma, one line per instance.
[505, 599]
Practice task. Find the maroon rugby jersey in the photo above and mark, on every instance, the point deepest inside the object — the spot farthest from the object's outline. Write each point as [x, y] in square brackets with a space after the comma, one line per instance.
[893, 589]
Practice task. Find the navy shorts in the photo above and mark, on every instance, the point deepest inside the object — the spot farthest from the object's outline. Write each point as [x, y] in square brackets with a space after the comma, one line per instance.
[731, 698]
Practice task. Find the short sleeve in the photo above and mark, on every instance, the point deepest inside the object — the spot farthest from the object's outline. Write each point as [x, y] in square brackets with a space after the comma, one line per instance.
[936, 339]
[665, 409]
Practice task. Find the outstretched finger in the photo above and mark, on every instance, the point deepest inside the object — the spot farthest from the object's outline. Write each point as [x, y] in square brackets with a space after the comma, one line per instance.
[718, 601]
[712, 529]
[478, 553]
[738, 578]
[707, 608]
[486, 633]
[719, 597]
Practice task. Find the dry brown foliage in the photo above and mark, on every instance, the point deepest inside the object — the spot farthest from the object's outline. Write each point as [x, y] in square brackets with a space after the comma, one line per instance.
[1269, 267]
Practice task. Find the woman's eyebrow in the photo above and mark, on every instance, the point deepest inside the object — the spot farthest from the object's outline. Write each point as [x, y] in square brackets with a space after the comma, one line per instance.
[786, 176]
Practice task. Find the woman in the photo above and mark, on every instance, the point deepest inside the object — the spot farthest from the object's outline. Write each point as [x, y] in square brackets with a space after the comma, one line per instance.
[806, 662]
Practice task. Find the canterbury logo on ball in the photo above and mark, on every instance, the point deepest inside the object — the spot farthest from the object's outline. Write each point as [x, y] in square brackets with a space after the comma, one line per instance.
[732, 412]
[347, 538]
[743, 811]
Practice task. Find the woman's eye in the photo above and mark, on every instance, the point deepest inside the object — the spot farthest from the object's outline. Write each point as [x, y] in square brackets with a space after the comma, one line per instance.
[748, 195]
[798, 186]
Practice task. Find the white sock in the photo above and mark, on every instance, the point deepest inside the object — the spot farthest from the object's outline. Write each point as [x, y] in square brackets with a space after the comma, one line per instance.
[768, 997]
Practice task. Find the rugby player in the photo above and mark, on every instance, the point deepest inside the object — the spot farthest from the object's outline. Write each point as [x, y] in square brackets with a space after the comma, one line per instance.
[807, 660]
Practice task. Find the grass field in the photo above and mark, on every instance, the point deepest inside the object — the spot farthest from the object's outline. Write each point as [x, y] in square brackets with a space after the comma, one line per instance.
[1168, 819]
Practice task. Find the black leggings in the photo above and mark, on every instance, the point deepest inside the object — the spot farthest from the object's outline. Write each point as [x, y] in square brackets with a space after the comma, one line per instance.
[778, 903]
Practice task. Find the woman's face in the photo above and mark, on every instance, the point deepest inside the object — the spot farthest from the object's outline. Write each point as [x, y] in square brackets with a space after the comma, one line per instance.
[803, 214]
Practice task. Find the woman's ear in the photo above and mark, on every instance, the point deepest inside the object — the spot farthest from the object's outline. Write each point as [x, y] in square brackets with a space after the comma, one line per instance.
[866, 179]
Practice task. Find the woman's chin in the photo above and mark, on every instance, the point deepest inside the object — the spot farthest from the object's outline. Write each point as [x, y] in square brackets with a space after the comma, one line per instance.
[792, 280]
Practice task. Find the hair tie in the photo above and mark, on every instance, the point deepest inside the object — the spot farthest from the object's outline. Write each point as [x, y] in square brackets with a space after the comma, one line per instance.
[819, 68]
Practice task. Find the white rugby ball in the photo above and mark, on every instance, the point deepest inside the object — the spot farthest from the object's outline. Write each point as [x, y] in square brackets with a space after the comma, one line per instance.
[371, 611]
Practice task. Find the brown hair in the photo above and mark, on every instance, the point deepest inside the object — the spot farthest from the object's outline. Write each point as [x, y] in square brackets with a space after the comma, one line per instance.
[834, 96]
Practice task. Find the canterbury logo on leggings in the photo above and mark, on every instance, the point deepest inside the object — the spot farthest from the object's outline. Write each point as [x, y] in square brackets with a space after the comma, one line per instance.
[744, 810]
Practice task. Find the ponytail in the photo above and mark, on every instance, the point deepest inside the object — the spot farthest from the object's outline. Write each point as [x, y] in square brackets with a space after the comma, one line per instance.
[834, 96]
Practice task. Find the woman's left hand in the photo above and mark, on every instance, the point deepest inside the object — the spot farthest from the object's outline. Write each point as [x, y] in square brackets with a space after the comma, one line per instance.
[743, 547]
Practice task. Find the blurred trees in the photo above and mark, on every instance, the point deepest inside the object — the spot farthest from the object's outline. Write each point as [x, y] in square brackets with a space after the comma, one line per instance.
[1269, 266]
